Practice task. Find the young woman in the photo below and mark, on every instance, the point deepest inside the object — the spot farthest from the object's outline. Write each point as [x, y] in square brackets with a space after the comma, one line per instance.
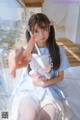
[38, 96]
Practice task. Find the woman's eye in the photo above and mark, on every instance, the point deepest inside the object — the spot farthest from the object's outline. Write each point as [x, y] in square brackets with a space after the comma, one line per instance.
[45, 29]
[36, 31]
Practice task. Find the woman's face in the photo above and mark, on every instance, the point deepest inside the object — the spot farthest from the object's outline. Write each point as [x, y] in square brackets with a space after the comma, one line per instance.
[41, 34]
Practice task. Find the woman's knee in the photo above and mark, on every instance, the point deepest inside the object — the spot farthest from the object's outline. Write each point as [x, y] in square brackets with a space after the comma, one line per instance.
[48, 112]
[28, 109]
[43, 115]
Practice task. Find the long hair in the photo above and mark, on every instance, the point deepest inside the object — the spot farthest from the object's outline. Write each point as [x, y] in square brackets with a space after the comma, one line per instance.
[53, 48]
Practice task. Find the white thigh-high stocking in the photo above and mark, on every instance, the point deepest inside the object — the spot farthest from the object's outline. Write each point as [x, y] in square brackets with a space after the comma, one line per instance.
[49, 112]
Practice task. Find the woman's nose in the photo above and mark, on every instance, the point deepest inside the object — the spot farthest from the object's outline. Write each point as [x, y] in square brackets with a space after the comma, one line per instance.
[41, 34]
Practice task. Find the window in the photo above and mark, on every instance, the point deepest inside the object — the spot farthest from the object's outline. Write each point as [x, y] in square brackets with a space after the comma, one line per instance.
[10, 25]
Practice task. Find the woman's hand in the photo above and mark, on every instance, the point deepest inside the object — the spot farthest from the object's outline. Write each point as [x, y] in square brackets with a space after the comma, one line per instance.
[17, 59]
[21, 57]
[41, 81]
[38, 79]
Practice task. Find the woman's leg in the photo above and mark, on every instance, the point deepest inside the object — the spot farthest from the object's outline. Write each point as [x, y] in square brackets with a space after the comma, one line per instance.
[49, 109]
[28, 109]
[24, 107]
[48, 112]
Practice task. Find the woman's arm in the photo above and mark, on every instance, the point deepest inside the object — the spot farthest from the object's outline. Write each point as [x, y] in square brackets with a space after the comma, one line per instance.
[55, 80]
[21, 57]
[42, 82]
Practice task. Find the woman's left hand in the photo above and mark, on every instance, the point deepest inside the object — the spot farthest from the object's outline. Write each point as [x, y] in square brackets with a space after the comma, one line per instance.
[38, 79]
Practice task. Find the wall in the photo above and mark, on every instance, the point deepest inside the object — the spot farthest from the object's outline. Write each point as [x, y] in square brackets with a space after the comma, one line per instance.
[67, 15]
[72, 22]
[78, 29]
[55, 11]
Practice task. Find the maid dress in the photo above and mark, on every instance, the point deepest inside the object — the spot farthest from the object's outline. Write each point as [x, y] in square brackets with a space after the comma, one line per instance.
[27, 88]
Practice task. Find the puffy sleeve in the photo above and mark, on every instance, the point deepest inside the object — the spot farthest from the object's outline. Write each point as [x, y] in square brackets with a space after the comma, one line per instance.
[64, 60]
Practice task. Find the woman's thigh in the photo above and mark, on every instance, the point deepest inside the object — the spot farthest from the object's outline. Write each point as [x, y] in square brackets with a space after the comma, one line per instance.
[28, 109]
[24, 107]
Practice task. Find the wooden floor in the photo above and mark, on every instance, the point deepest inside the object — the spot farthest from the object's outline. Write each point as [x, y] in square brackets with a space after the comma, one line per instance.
[72, 51]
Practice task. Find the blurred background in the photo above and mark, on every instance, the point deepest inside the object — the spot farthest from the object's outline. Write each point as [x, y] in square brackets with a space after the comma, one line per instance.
[65, 15]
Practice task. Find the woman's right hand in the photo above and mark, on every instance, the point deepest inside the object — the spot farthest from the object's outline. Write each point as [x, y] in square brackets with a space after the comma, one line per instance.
[17, 59]
[20, 57]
